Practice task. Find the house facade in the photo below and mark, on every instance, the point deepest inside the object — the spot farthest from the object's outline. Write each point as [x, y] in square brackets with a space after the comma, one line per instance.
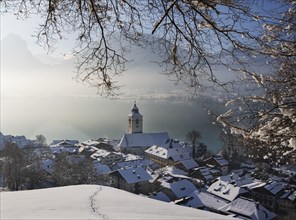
[135, 180]
[268, 194]
[218, 163]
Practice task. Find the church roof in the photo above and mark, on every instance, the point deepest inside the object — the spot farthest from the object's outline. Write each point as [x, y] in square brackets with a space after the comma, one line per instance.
[143, 139]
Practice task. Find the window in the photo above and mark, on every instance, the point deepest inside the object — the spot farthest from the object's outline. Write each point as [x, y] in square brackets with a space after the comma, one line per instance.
[137, 121]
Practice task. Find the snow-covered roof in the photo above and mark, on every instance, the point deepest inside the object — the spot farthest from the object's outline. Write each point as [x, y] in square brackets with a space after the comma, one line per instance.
[132, 163]
[171, 170]
[20, 140]
[177, 153]
[205, 172]
[189, 164]
[274, 187]
[247, 208]
[221, 161]
[286, 195]
[63, 142]
[142, 139]
[101, 168]
[292, 196]
[180, 188]
[128, 157]
[60, 149]
[204, 199]
[226, 190]
[100, 141]
[101, 153]
[134, 175]
[90, 143]
[236, 179]
[161, 197]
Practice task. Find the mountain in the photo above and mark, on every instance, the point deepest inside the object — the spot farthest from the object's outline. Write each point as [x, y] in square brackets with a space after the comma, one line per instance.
[15, 55]
[91, 202]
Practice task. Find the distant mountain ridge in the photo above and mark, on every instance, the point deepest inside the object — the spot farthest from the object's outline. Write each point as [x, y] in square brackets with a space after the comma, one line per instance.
[15, 54]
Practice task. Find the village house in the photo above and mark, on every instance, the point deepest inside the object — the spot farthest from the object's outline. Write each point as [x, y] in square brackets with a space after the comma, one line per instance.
[287, 203]
[204, 200]
[160, 196]
[106, 157]
[19, 141]
[135, 141]
[61, 146]
[177, 190]
[169, 153]
[268, 194]
[244, 208]
[167, 174]
[187, 165]
[101, 169]
[204, 173]
[135, 180]
[99, 144]
[145, 163]
[218, 163]
[231, 186]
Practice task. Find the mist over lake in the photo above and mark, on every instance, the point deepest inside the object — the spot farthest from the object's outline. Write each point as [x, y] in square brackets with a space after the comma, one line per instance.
[40, 96]
[85, 118]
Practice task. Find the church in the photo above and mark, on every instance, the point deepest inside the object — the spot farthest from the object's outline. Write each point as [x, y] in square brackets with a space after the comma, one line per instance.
[135, 141]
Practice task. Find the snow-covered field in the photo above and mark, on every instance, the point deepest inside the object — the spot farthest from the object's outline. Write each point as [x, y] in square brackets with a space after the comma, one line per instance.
[91, 202]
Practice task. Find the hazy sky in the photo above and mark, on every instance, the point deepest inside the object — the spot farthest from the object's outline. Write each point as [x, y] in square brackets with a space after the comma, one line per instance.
[39, 94]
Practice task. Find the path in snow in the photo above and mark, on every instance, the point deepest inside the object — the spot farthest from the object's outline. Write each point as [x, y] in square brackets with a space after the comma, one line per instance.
[91, 202]
[94, 207]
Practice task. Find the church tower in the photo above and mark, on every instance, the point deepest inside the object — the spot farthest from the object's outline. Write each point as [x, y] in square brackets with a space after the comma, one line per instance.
[135, 121]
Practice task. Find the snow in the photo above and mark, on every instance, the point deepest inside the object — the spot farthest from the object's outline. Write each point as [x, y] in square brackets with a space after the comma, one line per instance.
[91, 202]
[134, 175]
[132, 163]
[64, 142]
[292, 142]
[221, 161]
[101, 169]
[274, 187]
[142, 139]
[248, 208]
[204, 199]
[205, 172]
[161, 197]
[181, 188]
[177, 152]
[189, 164]
[172, 171]
[225, 190]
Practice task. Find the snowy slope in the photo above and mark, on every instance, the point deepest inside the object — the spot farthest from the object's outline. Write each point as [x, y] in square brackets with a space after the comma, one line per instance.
[91, 202]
